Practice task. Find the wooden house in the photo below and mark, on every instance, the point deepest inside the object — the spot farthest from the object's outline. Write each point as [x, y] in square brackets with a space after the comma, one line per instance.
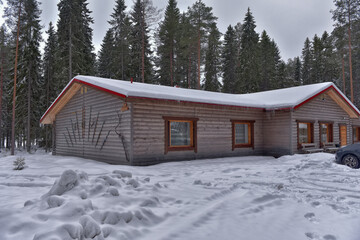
[120, 122]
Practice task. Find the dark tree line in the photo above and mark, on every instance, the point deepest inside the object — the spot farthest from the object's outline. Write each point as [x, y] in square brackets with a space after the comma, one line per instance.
[184, 49]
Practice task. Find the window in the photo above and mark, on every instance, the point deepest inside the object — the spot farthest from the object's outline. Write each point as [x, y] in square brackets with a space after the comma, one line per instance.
[305, 132]
[180, 134]
[356, 134]
[326, 133]
[242, 134]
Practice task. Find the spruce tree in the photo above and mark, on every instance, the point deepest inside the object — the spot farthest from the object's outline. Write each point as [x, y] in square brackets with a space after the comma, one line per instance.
[318, 61]
[306, 63]
[120, 28]
[30, 85]
[248, 68]
[141, 54]
[4, 49]
[202, 18]
[169, 45]
[297, 72]
[269, 58]
[48, 76]
[74, 54]
[212, 61]
[229, 59]
[186, 63]
[106, 63]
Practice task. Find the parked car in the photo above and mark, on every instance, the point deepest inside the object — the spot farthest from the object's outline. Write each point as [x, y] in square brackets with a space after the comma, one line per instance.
[349, 155]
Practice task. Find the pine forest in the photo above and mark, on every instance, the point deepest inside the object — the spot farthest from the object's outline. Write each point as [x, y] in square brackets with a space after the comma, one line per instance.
[184, 49]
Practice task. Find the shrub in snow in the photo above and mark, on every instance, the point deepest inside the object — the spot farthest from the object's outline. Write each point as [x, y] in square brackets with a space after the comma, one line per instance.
[122, 173]
[19, 163]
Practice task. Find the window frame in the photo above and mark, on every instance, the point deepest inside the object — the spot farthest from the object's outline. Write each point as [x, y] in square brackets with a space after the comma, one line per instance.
[250, 124]
[310, 131]
[193, 134]
[356, 129]
[329, 132]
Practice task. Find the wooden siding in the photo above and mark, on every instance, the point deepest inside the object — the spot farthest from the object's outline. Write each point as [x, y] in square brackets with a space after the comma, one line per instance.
[89, 126]
[214, 132]
[277, 132]
[321, 109]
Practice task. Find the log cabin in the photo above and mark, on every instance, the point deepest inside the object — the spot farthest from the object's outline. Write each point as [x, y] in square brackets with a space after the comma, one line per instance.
[122, 122]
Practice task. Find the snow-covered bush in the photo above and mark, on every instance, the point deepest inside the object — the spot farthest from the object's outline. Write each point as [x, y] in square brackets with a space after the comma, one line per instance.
[19, 163]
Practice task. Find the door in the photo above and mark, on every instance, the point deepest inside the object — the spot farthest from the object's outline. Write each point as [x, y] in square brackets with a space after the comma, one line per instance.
[343, 135]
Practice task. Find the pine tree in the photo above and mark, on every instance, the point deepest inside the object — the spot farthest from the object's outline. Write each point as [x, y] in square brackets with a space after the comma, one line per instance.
[248, 74]
[306, 63]
[212, 61]
[346, 12]
[106, 63]
[229, 59]
[74, 54]
[120, 27]
[201, 17]
[141, 53]
[168, 44]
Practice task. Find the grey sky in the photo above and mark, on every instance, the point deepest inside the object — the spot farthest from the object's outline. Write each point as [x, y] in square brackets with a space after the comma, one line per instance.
[288, 22]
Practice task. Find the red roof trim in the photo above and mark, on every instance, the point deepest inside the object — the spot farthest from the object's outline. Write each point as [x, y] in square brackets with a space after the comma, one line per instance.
[328, 88]
[204, 103]
[100, 88]
[56, 100]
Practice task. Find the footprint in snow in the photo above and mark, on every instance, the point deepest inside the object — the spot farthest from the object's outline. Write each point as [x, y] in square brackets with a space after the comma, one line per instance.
[312, 236]
[311, 217]
[329, 237]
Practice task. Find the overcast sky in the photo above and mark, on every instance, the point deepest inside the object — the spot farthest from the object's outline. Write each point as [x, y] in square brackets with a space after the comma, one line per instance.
[288, 22]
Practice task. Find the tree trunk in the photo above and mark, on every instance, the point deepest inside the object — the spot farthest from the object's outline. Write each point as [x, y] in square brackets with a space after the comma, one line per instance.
[189, 72]
[143, 49]
[171, 66]
[70, 51]
[199, 55]
[350, 64]
[14, 93]
[343, 74]
[28, 128]
[1, 97]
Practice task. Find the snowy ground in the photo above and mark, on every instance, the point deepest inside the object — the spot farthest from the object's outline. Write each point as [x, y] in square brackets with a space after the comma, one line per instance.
[249, 198]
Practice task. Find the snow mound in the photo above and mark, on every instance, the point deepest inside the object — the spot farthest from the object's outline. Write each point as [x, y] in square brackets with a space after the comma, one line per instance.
[91, 228]
[122, 174]
[68, 180]
[82, 202]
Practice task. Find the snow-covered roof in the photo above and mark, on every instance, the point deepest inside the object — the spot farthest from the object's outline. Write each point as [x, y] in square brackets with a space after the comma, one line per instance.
[285, 98]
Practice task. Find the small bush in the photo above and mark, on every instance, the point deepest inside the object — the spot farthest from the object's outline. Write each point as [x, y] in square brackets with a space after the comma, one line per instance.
[19, 163]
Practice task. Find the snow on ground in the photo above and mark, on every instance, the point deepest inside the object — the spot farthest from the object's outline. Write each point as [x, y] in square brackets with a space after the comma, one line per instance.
[250, 198]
